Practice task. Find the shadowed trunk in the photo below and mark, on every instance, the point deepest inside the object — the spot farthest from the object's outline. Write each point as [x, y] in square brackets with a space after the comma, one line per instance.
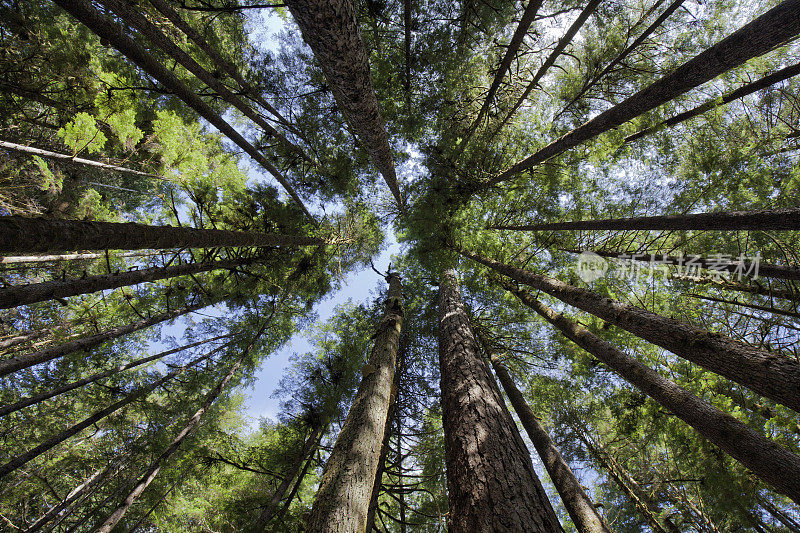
[18, 362]
[27, 235]
[768, 219]
[772, 375]
[775, 27]
[330, 28]
[342, 501]
[769, 461]
[51, 290]
[109, 30]
[490, 479]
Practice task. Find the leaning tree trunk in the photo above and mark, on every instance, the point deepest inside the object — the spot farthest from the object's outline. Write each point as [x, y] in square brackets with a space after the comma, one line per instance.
[772, 375]
[158, 463]
[770, 219]
[343, 497]
[32, 235]
[18, 362]
[115, 34]
[577, 503]
[490, 479]
[771, 29]
[38, 398]
[11, 259]
[52, 290]
[330, 28]
[298, 482]
[766, 459]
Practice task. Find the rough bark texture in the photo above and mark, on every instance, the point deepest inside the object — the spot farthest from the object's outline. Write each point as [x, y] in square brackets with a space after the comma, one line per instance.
[32, 400]
[20, 234]
[491, 483]
[772, 375]
[769, 461]
[330, 28]
[771, 219]
[18, 362]
[13, 259]
[775, 27]
[115, 34]
[576, 501]
[343, 497]
[50, 290]
[727, 265]
[741, 92]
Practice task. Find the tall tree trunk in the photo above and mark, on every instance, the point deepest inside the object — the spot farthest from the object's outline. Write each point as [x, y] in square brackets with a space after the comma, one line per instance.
[31, 235]
[771, 29]
[51, 290]
[576, 501]
[330, 28]
[748, 305]
[73, 430]
[551, 59]
[18, 362]
[768, 219]
[490, 479]
[16, 340]
[741, 92]
[768, 460]
[38, 398]
[134, 17]
[622, 55]
[343, 497]
[173, 16]
[745, 268]
[10, 259]
[407, 51]
[772, 375]
[109, 30]
[298, 482]
[157, 464]
[78, 160]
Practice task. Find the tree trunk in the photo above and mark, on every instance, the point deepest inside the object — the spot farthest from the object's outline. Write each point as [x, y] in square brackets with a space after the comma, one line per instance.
[134, 18]
[741, 92]
[491, 482]
[10, 259]
[290, 498]
[109, 30]
[71, 159]
[155, 467]
[771, 29]
[21, 338]
[576, 501]
[38, 398]
[343, 497]
[73, 430]
[31, 235]
[407, 50]
[551, 59]
[768, 460]
[330, 28]
[772, 375]
[745, 268]
[51, 290]
[772, 219]
[774, 310]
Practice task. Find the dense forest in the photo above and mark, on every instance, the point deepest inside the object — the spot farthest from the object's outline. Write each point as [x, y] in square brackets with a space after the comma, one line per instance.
[590, 321]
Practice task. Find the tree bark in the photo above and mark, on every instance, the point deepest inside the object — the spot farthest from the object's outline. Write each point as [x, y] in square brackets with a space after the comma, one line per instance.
[136, 19]
[343, 497]
[491, 482]
[51, 290]
[73, 430]
[14, 259]
[109, 30]
[31, 235]
[577, 503]
[769, 461]
[330, 28]
[38, 398]
[771, 29]
[290, 498]
[767, 219]
[18, 362]
[772, 375]
[741, 92]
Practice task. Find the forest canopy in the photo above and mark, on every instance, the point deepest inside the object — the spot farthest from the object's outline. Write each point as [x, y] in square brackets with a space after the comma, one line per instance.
[583, 217]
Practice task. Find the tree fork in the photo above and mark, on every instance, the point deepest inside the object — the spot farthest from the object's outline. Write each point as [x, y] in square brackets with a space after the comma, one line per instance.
[771, 375]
